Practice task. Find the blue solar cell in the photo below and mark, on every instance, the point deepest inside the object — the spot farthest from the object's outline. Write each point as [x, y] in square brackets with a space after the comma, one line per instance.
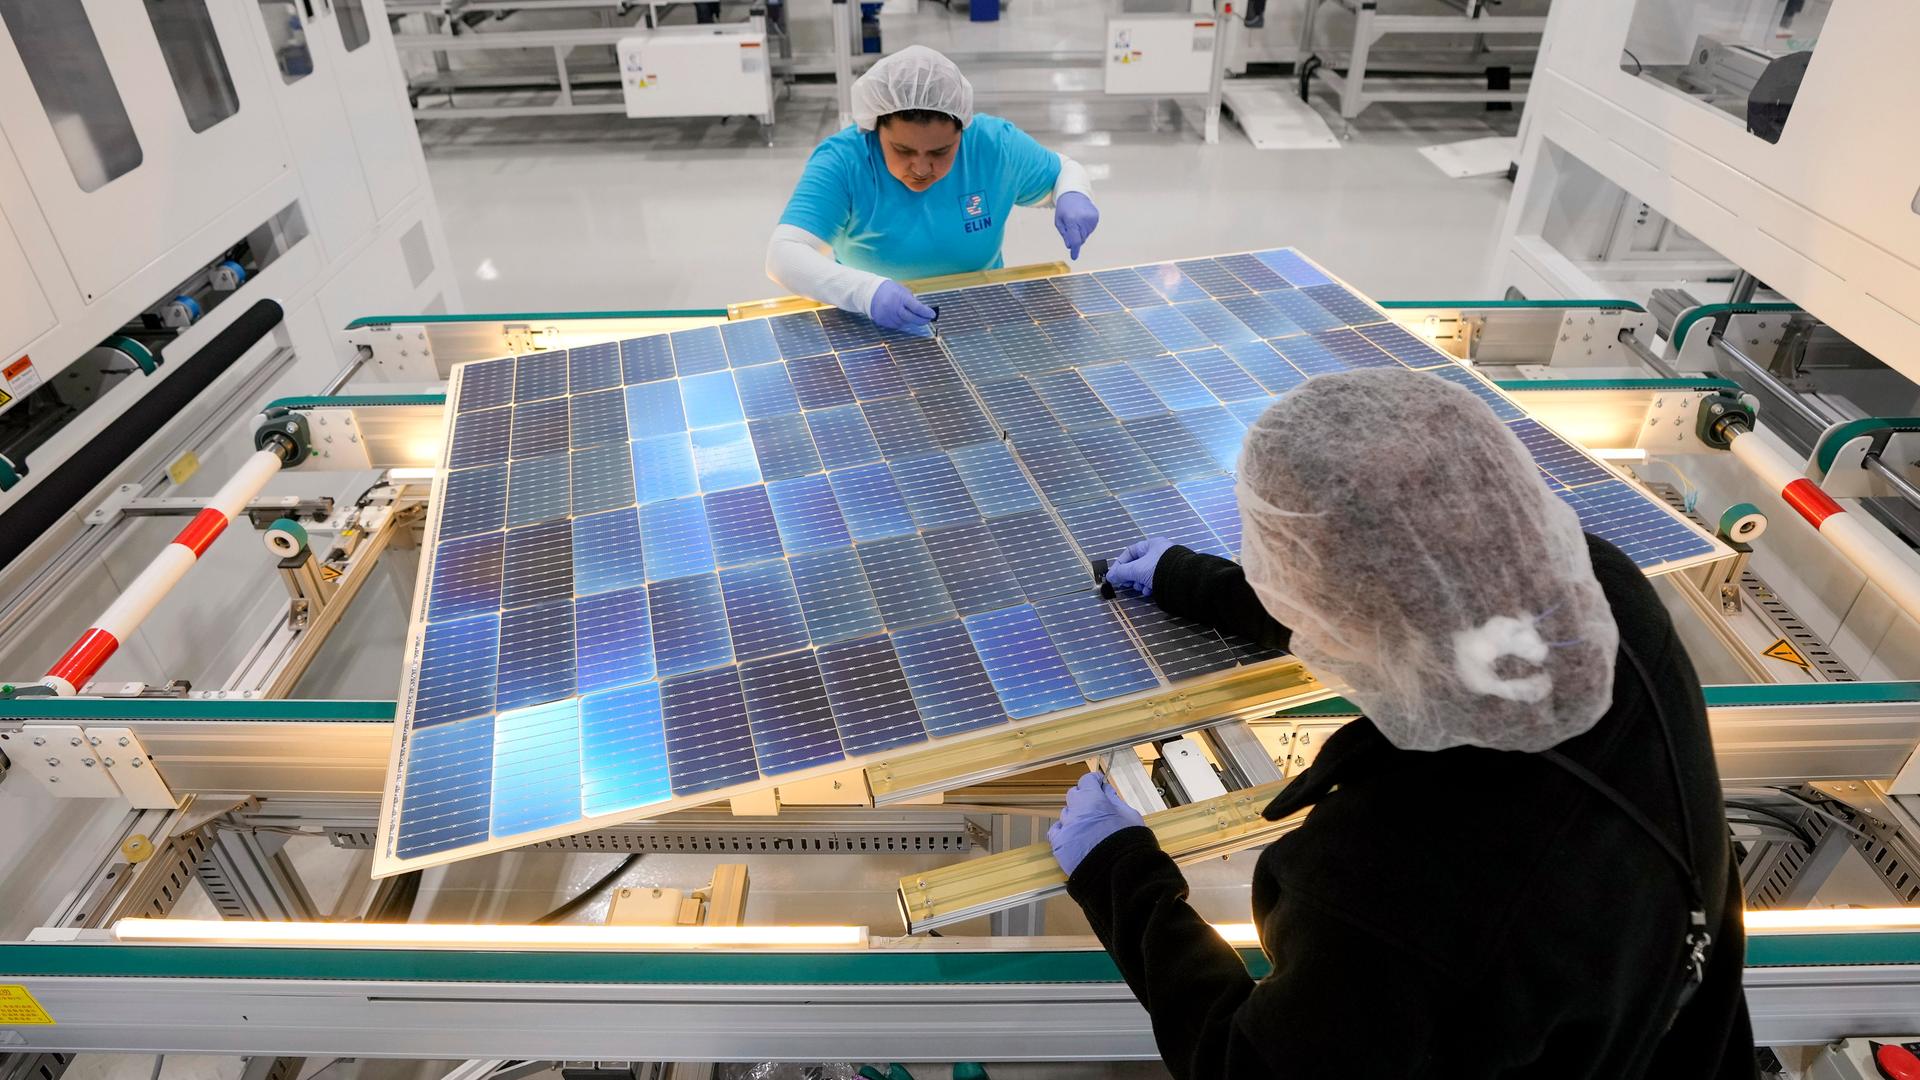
[1212, 277]
[689, 625]
[696, 352]
[1261, 316]
[1300, 310]
[1503, 409]
[978, 356]
[922, 363]
[995, 305]
[1025, 668]
[1042, 560]
[1126, 339]
[539, 375]
[1162, 512]
[613, 635]
[1127, 287]
[1015, 407]
[593, 367]
[540, 428]
[1181, 649]
[994, 479]
[1217, 430]
[1260, 361]
[486, 384]
[841, 435]
[957, 311]
[906, 587]
[1171, 282]
[536, 655]
[597, 419]
[458, 663]
[946, 678]
[709, 743]
[448, 798]
[872, 374]
[711, 399]
[654, 409]
[1556, 457]
[955, 419]
[1119, 461]
[807, 514]
[819, 382]
[623, 750]
[1255, 274]
[1171, 447]
[1213, 499]
[1076, 342]
[1041, 300]
[749, 342]
[1171, 328]
[606, 551]
[676, 539]
[1101, 529]
[870, 503]
[1409, 350]
[1344, 306]
[763, 610]
[1353, 350]
[899, 427]
[1620, 514]
[646, 359]
[1227, 380]
[1122, 392]
[536, 767]
[480, 438]
[1085, 294]
[663, 468]
[1056, 464]
[834, 595]
[1249, 411]
[474, 501]
[1288, 264]
[1309, 356]
[766, 391]
[935, 494]
[539, 565]
[538, 490]
[846, 330]
[1071, 401]
[1088, 633]
[872, 706]
[799, 335]
[742, 526]
[724, 458]
[1026, 348]
[788, 712]
[602, 478]
[971, 566]
[784, 446]
[1172, 383]
[1217, 322]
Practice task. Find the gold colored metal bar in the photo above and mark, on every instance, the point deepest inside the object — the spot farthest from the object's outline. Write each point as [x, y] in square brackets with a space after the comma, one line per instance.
[1201, 830]
[1258, 690]
[787, 305]
[727, 896]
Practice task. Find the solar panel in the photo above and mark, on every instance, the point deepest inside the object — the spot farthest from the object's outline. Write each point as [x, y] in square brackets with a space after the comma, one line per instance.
[679, 567]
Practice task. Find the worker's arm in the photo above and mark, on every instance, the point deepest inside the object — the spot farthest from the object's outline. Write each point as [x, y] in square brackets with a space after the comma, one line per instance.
[1073, 177]
[803, 264]
[1207, 589]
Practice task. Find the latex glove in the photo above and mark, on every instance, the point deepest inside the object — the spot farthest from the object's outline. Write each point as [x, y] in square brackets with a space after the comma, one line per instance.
[1076, 217]
[1094, 812]
[1134, 567]
[896, 308]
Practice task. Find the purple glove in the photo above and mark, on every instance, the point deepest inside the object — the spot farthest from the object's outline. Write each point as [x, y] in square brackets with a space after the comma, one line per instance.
[1075, 216]
[895, 307]
[1094, 812]
[1134, 567]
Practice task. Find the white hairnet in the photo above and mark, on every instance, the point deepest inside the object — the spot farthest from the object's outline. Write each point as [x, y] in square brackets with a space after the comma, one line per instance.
[1403, 534]
[916, 77]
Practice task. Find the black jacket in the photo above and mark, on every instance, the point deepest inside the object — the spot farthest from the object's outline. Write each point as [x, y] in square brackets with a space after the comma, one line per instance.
[1460, 913]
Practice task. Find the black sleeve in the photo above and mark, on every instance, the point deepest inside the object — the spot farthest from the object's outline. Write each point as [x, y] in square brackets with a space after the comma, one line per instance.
[1212, 590]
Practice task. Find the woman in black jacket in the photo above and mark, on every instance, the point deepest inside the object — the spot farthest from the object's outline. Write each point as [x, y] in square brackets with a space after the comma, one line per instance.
[1516, 864]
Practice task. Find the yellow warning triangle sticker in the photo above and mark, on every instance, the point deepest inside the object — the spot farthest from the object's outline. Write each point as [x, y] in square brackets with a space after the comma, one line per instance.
[1780, 650]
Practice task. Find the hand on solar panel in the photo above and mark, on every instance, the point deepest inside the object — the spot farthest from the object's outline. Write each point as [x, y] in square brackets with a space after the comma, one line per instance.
[1094, 812]
[1133, 568]
[1075, 216]
[895, 307]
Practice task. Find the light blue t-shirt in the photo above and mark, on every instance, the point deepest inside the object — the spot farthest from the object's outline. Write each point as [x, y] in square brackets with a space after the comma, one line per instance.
[875, 223]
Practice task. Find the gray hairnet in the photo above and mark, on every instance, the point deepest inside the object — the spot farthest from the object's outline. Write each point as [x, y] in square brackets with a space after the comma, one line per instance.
[1405, 536]
[916, 77]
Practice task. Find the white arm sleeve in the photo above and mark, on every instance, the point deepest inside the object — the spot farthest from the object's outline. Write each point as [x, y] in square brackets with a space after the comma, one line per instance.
[803, 263]
[1073, 177]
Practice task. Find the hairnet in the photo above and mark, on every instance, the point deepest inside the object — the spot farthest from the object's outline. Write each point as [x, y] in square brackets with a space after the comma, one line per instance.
[1403, 534]
[916, 77]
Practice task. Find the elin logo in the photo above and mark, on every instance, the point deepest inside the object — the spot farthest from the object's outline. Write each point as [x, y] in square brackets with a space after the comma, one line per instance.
[974, 208]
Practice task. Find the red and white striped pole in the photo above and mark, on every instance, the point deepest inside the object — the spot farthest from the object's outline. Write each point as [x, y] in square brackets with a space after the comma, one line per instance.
[1850, 536]
[126, 613]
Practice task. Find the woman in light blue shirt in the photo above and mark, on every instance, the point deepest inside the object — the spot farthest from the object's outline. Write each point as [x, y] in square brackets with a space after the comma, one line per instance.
[918, 187]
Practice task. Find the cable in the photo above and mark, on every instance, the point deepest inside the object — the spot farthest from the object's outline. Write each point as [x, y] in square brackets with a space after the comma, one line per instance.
[1638, 67]
[587, 894]
[1775, 816]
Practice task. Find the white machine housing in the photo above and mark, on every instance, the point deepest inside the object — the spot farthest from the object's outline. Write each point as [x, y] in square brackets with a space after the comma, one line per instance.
[1160, 53]
[716, 70]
